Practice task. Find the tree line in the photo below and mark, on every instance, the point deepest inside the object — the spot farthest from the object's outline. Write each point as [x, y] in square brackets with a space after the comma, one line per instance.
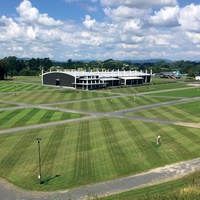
[13, 66]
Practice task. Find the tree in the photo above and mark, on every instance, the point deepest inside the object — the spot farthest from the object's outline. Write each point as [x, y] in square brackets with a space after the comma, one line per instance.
[46, 63]
[3, 72]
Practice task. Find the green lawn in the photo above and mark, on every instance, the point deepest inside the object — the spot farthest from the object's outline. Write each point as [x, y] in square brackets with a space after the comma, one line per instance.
[184, 112]
[90, 151]
[115, 103]
[148, 88]
[187, 93]
[32, 116]
[28, 79]
[93, 151]
[15, 87]
[5, 105]
[59, 95]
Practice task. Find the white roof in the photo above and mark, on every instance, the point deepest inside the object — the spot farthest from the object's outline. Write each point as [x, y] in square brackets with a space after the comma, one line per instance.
[105, 74]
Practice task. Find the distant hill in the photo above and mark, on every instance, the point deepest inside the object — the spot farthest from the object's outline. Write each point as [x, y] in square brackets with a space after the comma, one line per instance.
[149, 61]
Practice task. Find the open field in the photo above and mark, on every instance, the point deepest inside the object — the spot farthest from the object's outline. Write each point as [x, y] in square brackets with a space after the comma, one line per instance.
[115, 103]
[28, 79]
[31, 116]
[184, 112]
[52, 96]
[10, 86]
[148, 88]
[93, 151]
[187, 93]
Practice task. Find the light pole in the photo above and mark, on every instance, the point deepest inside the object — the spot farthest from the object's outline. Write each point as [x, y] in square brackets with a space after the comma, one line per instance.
[39, 161]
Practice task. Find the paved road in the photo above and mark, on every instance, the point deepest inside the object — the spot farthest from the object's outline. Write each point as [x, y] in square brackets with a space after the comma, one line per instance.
[10, 192]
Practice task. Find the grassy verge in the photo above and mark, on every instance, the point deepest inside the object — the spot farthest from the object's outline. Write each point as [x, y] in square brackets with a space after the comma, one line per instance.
[168, 190]
[92, 151]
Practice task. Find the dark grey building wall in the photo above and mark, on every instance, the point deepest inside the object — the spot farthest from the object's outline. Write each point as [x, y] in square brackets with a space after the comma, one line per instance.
[64, 79]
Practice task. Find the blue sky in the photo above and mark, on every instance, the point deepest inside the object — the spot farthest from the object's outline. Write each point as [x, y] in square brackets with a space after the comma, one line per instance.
[100, 29]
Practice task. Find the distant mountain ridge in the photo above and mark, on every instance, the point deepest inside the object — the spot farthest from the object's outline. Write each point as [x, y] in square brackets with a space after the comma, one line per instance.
[150, 61]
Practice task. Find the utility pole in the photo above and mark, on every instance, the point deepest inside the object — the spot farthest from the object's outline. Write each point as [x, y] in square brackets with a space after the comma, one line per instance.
[39, 161]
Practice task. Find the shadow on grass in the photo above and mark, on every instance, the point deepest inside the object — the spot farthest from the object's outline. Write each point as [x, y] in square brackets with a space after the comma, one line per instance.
[46, 181]
[155, 145]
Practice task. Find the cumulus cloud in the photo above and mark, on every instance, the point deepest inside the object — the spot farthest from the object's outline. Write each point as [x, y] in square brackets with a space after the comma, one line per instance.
[190, 18]
[140, 3]
[123, 13]
[167, 16]
[89, 22]
[128, 30]
[29, 14]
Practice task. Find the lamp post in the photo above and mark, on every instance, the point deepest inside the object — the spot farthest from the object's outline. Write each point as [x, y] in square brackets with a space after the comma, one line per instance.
[39, 161]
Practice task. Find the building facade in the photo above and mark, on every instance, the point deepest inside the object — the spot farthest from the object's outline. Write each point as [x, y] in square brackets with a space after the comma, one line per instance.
[95, 80]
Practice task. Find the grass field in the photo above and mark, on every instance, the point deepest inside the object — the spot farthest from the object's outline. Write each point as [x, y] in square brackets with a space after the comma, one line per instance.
[52, 96]
[184, 112]
[11, 86]
[188, 93]
[32, 116]
[97, 150]
[115, 103]
[28, 79]
[148, 88]
[5, 105]
[93, 151]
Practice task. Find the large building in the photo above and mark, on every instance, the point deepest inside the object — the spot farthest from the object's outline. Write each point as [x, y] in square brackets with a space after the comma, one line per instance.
[95, 80]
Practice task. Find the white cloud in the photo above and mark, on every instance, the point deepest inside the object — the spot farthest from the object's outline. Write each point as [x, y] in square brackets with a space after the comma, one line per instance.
[190, 18]
[140, 3]
[89, 22]
[128, 30]
[167, 16]
[123, 13]
[29, 14]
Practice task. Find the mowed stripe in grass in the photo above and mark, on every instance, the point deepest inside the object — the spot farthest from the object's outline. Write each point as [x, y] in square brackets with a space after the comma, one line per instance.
[184, 112]
[93, 151]
[31, 116]
[148, 88]
[83, 165]
[6, 105]
[187, 93]
[41, 97]
[10, 86]
[113, 104]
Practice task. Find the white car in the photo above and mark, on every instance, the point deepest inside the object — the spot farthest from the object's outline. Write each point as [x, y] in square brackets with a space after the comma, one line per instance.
[197, 78]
